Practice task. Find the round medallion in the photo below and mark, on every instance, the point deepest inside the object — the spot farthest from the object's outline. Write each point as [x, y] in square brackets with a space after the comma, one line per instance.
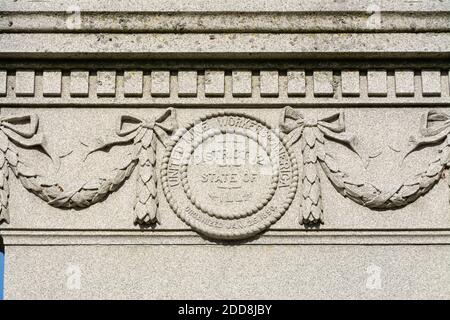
[229, 176]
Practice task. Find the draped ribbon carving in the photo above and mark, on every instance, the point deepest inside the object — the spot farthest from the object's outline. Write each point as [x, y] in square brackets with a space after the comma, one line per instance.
[312, 132]
[435, 129]
[21, 131]
[143, 133]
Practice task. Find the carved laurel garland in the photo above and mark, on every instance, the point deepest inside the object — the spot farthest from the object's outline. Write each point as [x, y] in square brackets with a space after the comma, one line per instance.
[312, 134]
[15, 131]
[407, 191]
[85, 195]
[142, 133]
[4, 175]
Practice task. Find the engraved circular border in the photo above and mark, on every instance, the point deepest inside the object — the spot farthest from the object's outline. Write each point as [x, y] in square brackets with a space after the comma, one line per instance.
[227, 234]
[211, 211]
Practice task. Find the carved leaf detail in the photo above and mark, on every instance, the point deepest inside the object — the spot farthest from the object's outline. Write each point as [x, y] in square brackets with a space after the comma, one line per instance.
[407, 191]
[294, 136]
[146, 173]
[370, 196]
[25, 171]
[97, 189]
[3, 142]
[311, 209]
[2, 159]
[310, 137]
[310, 173]
[11, 157]
[434, 169]
[309, 155]
[4, 191]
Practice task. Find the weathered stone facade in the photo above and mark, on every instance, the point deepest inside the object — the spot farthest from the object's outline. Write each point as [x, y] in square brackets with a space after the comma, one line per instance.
[244, 149]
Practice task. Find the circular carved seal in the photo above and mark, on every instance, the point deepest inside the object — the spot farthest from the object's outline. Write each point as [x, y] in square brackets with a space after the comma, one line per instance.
[229, 175]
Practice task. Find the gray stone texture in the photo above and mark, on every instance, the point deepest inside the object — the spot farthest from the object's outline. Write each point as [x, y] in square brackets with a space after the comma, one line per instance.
[269, 83]
[377, 83]
[3, 85]
[79, 83]
[161, 83]
[214, 83]
[350, 83]
[24, 83]
[323, 83]
[242, 83]
[431, 83]
[245, 272]
[51, 83]
[302, 154]
[187, 83]
[106, 83]
[296, 83]
[133, 83]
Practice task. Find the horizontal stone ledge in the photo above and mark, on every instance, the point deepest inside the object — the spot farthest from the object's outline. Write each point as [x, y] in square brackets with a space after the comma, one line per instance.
[271, 237]
[226, 22]
[267, 102]
[225, 46]
[223, 64]
[236, 6]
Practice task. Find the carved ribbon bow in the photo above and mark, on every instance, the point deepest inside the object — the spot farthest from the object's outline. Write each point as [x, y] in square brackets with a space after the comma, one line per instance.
[333, 126]
[435, 127]
[312, 133]
[143, 134]
[22, 130]
[130, 128]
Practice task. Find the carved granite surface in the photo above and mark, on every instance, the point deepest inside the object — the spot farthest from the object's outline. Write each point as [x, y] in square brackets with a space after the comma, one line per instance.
[289, 147]
[229, 174]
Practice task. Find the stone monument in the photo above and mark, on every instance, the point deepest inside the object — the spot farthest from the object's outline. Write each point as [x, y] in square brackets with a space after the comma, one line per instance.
[225, 150]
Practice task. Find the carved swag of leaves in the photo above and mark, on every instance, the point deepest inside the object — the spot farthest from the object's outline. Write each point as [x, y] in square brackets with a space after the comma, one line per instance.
[313, 135]
[141, 133]
[16, 131]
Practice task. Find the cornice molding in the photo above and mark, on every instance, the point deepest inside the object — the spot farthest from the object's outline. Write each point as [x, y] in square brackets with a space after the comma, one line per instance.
[224, 46]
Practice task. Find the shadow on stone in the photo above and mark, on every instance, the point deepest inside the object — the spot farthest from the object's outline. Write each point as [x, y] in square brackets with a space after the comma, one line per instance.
[2, 246]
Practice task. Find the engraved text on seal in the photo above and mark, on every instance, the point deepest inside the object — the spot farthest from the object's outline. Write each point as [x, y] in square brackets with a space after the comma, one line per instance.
[229, 176]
